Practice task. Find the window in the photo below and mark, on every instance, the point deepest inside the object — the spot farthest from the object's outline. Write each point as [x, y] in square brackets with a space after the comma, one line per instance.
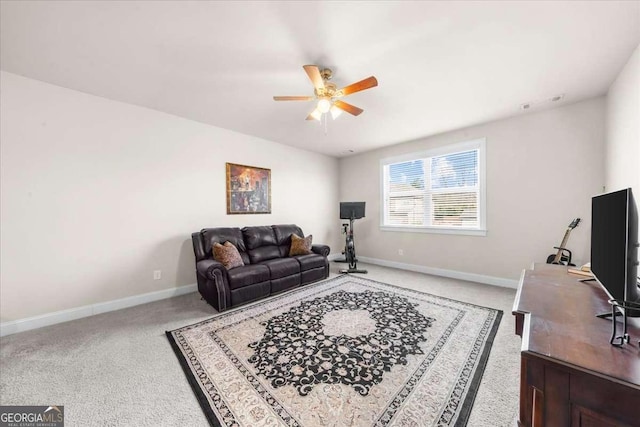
[440, 190]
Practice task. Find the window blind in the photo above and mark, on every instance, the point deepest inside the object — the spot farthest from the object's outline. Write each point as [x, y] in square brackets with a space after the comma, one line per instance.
[439, 191]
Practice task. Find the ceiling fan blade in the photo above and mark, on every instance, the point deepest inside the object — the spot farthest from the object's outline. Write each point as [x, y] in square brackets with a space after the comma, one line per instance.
[310, 117]
[351, 109]
[314, 75]
[367, 83]
[293, 98]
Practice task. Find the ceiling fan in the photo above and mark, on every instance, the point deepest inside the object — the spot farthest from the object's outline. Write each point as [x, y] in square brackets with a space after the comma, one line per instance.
[328, 94]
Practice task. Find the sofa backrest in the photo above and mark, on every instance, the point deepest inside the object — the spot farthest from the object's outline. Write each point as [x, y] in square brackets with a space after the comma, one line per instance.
[261, 243]
[255, 244]
[283, 234]
[209, 236]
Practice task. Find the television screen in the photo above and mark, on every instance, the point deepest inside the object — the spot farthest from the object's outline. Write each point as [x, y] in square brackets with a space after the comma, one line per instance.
[614, 239]
[350, 210]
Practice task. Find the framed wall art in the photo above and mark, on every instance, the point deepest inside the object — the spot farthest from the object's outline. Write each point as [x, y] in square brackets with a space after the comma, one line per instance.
[248, 189]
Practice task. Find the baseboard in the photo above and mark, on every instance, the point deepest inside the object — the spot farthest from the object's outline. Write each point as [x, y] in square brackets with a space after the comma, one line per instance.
[471, 277]
[21, 325]
[332, 257]
[27, 324]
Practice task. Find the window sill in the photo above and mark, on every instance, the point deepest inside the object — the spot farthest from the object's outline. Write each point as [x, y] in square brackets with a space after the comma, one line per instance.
[436, 230]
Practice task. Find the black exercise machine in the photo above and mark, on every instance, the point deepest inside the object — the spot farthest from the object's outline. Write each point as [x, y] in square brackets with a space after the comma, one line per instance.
[350, 211]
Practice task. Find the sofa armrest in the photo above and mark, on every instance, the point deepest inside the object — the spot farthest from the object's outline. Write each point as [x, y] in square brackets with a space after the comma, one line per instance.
[323, 250]
[213, 283]
[207, 267]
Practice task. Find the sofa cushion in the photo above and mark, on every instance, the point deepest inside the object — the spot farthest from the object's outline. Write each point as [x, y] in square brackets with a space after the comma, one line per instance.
[283, 233]
[264, 253]
[247, 275]
[307, 262]
[282, 267]
[256, 237]
[227, 255]
[261, 244]
[300, 245]
[210, 236]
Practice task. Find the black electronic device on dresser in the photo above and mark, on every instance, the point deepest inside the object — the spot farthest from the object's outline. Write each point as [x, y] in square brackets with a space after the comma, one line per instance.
[614, 244]
[614, 256]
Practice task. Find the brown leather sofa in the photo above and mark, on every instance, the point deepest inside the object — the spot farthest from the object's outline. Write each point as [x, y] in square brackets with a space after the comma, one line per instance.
[268, 267]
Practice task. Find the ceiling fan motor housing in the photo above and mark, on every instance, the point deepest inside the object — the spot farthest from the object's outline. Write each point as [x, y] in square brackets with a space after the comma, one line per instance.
[326, 74]
[329, 90]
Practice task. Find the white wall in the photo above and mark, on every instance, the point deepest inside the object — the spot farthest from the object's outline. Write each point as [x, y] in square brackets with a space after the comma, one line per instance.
[623, 129]
[96, 194]
[542, 169]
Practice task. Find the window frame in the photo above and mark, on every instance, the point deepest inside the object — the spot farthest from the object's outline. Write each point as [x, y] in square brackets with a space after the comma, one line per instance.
[475, 144]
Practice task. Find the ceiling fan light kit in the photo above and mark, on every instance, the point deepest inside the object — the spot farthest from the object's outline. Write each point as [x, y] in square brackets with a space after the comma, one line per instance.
[324, 104]
[327, 94]
[335, 112]
[315, 115]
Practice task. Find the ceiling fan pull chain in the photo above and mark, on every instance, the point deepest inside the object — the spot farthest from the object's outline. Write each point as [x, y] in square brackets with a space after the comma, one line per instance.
[326, 120]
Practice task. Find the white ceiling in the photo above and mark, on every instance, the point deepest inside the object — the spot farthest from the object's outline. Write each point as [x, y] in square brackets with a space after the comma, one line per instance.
[440, 65]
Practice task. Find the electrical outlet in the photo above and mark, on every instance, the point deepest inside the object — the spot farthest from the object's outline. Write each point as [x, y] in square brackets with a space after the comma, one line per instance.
[157, 274]
[401, 252]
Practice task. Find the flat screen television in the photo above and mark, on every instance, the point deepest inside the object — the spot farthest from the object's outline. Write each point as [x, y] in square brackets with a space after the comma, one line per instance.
[614, 245]
[349, 210]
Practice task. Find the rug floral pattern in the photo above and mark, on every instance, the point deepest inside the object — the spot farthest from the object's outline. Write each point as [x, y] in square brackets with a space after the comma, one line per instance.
[296, 349]
[344, 352]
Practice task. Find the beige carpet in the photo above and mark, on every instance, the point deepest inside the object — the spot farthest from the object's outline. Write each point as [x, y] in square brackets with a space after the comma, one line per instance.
[118, 368]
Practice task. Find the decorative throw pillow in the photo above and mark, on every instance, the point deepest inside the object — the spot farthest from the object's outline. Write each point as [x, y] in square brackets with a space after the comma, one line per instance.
[228, 255]
[300, 245]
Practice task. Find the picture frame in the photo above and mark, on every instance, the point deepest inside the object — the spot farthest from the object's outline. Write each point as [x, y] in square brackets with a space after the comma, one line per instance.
[248, 189]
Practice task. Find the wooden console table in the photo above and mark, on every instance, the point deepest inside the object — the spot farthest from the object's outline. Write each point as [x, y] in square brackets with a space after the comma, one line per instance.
[570, 375]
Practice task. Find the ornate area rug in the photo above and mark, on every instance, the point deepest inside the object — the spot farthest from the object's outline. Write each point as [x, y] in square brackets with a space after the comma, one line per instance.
[347, 351]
